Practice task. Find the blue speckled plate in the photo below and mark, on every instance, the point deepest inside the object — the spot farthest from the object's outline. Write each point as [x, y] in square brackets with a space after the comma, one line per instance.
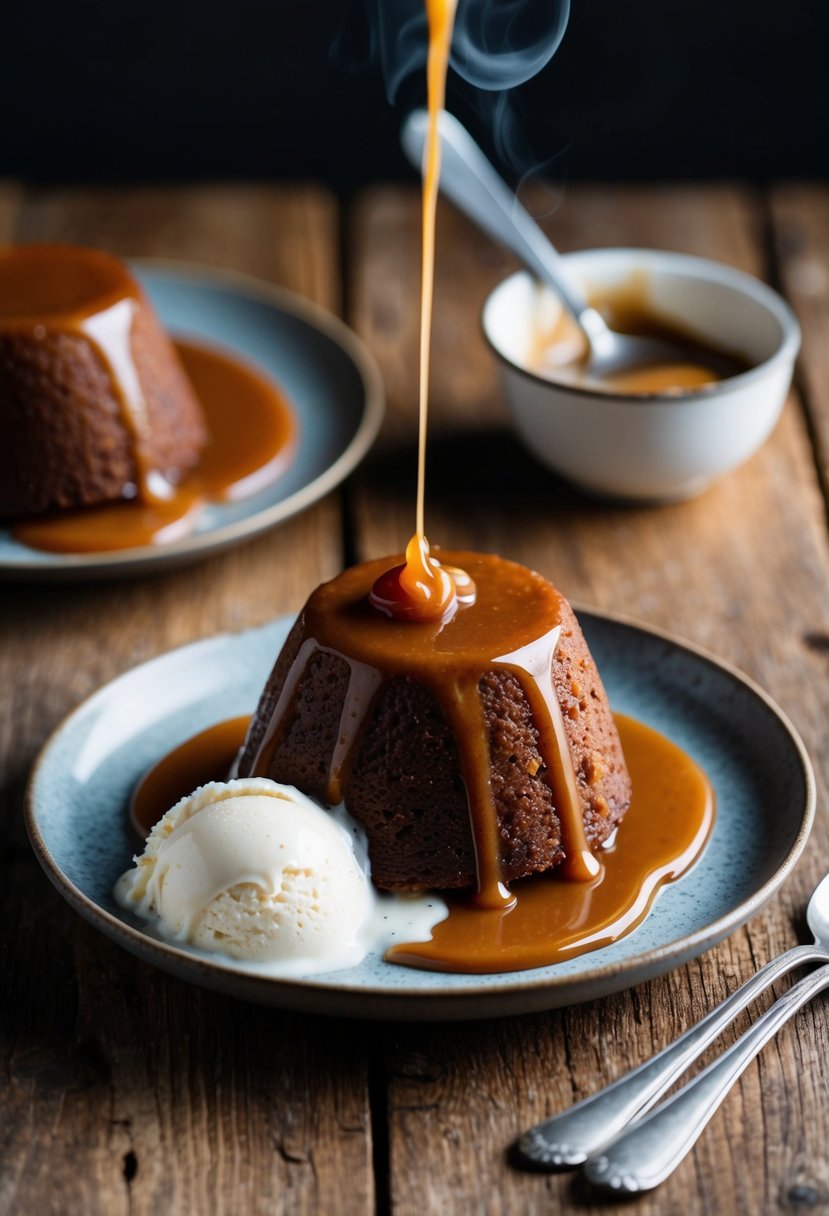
[331, 380]
[758, 766]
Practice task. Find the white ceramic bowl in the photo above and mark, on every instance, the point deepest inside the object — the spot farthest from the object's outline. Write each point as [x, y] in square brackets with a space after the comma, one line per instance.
[656, 447]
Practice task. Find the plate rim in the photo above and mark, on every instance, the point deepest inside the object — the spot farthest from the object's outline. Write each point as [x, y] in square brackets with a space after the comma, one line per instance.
[377, 1001]
[197, 545]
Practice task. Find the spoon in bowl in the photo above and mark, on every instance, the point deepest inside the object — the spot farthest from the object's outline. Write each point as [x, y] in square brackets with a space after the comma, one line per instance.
[473, 185]
[567, 1140]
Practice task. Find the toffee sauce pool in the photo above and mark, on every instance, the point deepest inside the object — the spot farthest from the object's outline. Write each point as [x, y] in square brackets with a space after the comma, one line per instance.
[559, 354]
[252, 433]
[552, 919]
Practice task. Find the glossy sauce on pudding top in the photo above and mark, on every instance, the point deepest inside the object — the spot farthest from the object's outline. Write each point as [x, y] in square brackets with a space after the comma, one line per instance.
[251, 427]
[560, 353]
[60, 283]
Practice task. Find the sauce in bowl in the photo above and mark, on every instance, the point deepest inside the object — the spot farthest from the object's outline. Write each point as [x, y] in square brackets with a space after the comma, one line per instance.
[559, 352]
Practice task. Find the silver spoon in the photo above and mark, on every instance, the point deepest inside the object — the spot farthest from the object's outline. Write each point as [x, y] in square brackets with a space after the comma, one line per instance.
[567, 1140]
[651, 1149]
[470, 181]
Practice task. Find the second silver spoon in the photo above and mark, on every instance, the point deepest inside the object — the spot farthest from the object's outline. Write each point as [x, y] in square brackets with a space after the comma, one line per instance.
[567, 1140]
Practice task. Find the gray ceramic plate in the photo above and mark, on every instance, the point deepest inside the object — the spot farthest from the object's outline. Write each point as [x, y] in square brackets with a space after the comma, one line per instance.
[326, 372]
[760, 771]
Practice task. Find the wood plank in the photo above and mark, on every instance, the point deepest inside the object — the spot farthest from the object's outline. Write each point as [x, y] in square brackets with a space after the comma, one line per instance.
[383, 303]
[287, 235]
[11, 196]
[743, 570]
[126, 1090]
[800, 225]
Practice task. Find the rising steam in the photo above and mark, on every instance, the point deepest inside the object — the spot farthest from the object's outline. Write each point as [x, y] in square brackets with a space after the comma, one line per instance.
[497, 44]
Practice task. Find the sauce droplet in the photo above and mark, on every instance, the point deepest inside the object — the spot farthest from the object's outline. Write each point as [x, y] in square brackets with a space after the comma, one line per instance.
[493, 897]
[581, 866]
[421, 589]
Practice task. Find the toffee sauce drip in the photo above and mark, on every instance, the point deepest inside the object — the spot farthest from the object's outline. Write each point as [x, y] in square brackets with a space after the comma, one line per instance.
[441, 19]
[664, 831]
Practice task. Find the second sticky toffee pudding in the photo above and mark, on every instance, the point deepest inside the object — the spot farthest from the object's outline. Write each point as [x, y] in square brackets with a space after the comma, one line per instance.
[94, 404]
[114, 437]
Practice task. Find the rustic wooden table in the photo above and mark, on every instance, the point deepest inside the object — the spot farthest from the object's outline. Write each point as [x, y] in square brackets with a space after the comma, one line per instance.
[126, 1091]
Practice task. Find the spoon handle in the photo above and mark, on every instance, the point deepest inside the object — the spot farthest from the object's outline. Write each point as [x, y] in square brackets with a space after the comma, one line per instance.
[567, 1140]
[467, 177]
[645, 1155]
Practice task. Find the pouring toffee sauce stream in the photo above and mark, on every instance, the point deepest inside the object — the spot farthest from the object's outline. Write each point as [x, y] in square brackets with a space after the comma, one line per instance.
[420, 589]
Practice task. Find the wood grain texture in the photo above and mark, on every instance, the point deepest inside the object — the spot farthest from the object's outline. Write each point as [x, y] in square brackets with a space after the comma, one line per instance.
[127, 1091]
[800, 227]
[743, 570]
[384, 303]
[11, 197]
[287, 235]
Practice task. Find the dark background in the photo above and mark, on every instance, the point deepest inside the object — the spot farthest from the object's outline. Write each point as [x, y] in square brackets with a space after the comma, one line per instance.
[639, 89]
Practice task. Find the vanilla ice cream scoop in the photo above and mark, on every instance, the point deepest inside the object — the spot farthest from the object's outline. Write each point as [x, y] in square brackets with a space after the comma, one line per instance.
[257, 871]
